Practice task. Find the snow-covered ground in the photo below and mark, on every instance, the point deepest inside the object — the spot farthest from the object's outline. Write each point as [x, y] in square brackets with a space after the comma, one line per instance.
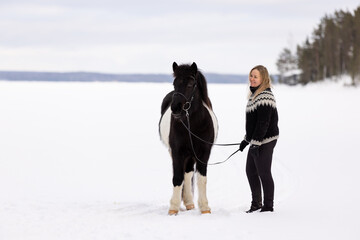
[84, 161]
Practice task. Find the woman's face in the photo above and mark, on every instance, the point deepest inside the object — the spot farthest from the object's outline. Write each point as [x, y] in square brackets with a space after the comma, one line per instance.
[255, 78]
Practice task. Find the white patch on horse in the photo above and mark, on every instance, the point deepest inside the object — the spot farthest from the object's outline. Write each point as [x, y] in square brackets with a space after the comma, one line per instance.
[165, 127]
[176, 198]
[202, 201]
[214, 120]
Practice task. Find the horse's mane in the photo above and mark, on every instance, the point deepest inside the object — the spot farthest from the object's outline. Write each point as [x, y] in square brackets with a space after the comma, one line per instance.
[203, 89]
[184, 70]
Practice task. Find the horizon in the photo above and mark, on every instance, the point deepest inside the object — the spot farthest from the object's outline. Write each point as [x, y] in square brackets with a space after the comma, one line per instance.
[110, 73]
[108, 77]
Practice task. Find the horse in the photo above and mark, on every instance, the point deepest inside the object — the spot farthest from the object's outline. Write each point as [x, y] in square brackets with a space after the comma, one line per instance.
[188, 104]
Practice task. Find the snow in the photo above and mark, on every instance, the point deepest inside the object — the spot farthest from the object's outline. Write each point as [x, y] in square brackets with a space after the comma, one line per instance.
[85, 161]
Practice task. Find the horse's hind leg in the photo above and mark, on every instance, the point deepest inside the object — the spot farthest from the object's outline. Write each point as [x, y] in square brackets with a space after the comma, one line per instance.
[201, 182]
[188, 191]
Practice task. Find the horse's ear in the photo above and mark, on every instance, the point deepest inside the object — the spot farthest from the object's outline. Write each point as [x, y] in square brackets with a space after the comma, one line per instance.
[194, 67]
[175, 66]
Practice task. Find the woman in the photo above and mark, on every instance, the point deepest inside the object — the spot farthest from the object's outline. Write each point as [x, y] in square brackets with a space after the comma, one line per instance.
[262, 133]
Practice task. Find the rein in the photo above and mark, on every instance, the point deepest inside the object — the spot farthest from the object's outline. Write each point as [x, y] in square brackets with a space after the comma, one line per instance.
[211, 143]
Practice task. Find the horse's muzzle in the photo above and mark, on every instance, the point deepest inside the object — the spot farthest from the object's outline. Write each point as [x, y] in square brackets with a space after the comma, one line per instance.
[176, 108]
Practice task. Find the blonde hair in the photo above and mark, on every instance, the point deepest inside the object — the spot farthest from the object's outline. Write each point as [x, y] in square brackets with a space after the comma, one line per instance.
[265, 79]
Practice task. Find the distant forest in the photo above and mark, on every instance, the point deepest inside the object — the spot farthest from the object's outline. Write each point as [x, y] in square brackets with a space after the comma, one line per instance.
[332, 50]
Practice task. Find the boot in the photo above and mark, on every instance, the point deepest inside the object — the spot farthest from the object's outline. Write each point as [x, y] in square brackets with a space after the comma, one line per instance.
[254, 207]
[267, 209]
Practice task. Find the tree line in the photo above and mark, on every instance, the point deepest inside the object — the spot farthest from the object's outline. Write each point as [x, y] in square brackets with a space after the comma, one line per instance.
[332, 50]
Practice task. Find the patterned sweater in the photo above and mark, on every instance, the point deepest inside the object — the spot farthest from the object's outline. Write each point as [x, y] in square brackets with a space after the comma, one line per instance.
[261, 118]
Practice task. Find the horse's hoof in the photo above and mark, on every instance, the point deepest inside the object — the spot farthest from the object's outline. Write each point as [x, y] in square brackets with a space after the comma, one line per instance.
[206, 212]
[173, 212]
[190, 206]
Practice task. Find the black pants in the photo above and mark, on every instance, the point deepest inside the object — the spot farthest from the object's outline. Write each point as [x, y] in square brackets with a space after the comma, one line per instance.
[258, 171]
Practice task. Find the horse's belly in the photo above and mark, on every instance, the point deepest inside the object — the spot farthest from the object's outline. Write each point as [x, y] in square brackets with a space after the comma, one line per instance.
[164, 127]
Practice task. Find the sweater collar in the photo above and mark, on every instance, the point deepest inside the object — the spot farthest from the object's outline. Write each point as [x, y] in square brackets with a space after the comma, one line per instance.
[253, 89]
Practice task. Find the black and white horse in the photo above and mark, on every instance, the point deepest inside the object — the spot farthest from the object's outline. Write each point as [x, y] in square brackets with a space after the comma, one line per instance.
[190, 96]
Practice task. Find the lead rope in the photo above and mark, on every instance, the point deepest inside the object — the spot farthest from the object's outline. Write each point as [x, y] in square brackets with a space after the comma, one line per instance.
[192, 145]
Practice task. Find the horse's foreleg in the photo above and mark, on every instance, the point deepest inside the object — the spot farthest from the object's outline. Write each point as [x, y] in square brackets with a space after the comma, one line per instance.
[201, 182]
[175, 200]
[188, 191]
[178, 182]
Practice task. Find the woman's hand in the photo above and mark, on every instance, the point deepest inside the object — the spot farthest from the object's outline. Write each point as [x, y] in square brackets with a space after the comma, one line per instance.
[243, 145]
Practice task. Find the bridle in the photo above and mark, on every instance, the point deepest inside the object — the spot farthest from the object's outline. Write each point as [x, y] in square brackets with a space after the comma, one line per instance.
[186, 106]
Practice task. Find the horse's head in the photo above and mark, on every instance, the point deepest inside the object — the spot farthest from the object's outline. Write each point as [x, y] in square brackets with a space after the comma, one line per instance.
[185, 89]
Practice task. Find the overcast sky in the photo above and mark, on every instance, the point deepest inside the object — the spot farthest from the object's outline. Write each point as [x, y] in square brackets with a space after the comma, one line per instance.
[146, 36]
